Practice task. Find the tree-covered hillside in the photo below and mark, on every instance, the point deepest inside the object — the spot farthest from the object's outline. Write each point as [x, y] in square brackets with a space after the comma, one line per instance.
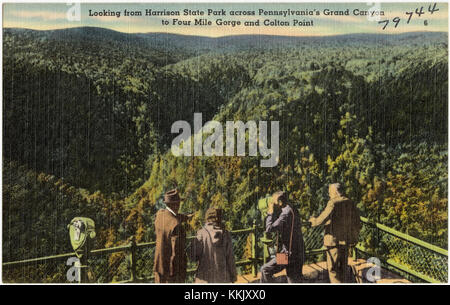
[92, 109]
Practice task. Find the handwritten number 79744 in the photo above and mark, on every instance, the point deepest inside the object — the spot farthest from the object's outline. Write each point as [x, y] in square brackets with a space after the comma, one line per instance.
[418, 12]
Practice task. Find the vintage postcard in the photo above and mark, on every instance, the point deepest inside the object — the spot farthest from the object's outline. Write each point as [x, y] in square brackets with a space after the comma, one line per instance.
[297, 142]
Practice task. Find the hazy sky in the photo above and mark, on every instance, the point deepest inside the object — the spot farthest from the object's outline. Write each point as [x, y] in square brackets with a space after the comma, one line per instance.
[54, 16]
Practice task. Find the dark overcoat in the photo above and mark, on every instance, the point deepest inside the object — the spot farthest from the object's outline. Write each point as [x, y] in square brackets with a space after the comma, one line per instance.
[170, 255]
[283, 225]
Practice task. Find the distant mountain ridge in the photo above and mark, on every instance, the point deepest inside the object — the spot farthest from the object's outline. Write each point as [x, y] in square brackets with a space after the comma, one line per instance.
[231, 42]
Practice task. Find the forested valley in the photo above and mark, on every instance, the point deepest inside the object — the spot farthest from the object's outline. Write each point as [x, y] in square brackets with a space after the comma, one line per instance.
[87, 115]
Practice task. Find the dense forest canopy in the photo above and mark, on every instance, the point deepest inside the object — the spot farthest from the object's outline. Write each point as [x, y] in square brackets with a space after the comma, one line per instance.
[87, 115]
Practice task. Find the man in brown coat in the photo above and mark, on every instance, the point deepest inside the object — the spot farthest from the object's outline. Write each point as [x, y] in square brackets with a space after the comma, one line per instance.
[170, 257]
[213, 250]
[342, 226]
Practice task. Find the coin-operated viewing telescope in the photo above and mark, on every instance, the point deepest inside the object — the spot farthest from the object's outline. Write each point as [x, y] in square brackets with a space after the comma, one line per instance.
[269, 249]
[82, 234]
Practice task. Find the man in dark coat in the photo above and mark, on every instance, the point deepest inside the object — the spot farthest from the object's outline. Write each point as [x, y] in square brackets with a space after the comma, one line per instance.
[283, 223]
[342, 226]
[170, 257]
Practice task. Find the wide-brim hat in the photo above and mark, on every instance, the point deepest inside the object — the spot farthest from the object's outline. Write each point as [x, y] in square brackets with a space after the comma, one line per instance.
[172, 196]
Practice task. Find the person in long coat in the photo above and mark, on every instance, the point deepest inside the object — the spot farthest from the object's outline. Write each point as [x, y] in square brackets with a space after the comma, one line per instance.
[342, 226]
[287, 224]
[170, 255]
[213, 250]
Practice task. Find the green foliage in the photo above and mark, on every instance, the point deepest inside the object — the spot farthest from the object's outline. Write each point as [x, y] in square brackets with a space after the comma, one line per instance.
[87, 119]
[38, 207]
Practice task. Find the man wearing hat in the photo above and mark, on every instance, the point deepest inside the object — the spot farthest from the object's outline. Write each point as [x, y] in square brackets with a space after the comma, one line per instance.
[170, 257]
